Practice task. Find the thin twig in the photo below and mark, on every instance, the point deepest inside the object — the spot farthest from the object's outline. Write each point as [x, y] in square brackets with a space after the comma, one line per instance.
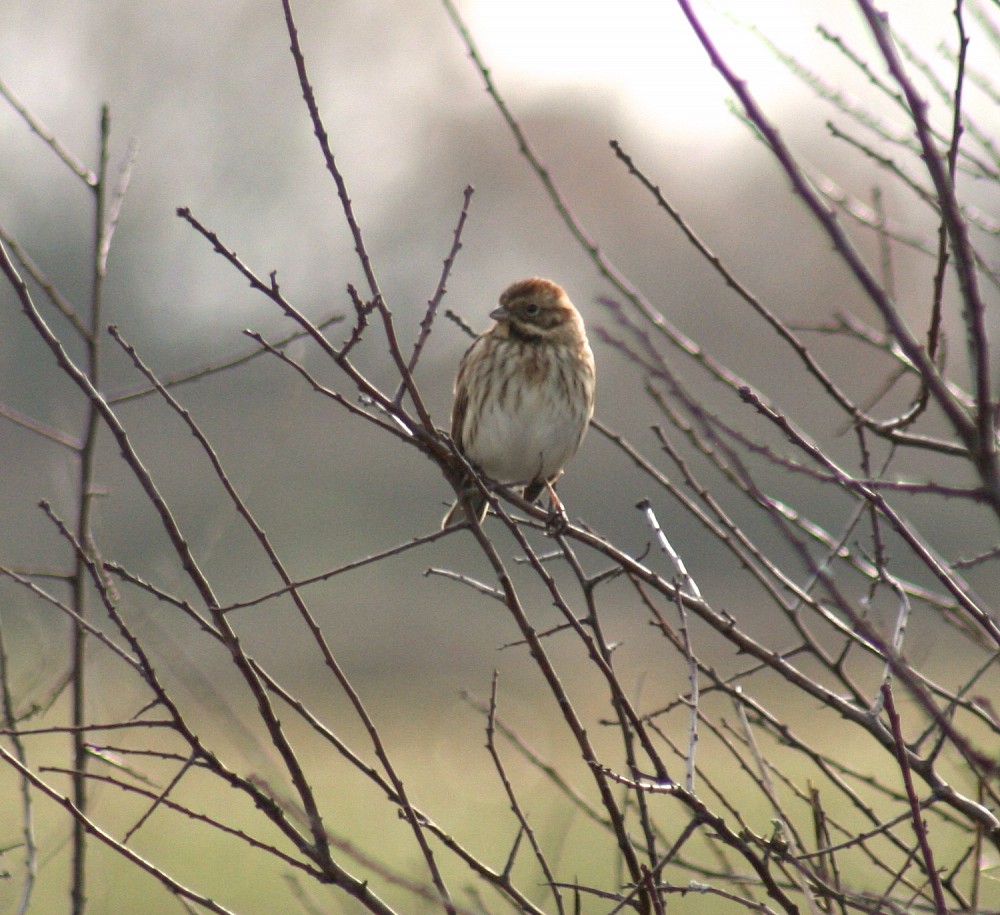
[919, 827]
[37, 127]
[427, 322]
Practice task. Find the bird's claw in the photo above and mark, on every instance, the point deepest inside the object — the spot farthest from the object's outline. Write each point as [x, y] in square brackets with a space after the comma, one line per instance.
[557, 520]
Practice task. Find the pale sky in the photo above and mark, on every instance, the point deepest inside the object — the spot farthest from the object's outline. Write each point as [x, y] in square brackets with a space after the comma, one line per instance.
[648, 52]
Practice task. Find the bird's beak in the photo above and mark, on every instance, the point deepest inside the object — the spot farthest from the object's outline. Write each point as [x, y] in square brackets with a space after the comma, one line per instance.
[500, 313]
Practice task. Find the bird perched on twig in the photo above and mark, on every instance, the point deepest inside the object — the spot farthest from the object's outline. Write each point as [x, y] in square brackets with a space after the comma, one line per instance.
[524, 395]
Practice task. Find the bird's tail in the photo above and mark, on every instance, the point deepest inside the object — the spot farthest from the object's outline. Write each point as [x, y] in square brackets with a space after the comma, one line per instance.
[471, 505]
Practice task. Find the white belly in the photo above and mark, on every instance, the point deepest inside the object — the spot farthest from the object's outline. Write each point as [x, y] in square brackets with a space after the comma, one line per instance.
[531, 440]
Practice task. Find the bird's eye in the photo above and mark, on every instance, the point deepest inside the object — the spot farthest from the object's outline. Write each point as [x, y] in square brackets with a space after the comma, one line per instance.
[531, 309]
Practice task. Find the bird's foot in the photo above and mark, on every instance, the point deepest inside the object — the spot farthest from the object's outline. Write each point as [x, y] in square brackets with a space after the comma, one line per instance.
[557, 520]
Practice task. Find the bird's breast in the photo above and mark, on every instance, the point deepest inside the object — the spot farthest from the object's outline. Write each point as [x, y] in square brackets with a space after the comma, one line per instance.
[526, 430]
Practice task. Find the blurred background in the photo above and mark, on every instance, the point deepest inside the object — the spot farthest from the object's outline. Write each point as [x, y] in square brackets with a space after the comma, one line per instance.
[209, 94]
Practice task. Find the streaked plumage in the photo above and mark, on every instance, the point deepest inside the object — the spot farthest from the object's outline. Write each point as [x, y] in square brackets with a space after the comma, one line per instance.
[524, 393]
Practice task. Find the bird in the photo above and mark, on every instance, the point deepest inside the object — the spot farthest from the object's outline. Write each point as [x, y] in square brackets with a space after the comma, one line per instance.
[523, 396]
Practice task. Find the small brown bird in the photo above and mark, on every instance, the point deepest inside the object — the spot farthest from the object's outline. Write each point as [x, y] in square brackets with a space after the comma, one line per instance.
[524, 394]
